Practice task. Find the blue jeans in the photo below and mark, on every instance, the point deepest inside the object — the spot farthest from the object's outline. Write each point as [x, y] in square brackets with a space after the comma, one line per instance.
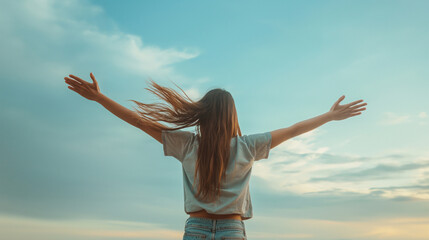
[214, 229]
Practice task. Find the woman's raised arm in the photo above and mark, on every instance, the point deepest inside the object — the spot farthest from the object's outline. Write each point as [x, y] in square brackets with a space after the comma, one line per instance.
[337, 112]
[91, 91]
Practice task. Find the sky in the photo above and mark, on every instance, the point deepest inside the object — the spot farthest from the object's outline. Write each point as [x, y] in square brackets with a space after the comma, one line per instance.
[72, 170]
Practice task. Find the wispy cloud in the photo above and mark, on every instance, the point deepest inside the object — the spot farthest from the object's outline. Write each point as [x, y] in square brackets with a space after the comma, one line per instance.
[300, 167]
[390, 118]
[50, 39]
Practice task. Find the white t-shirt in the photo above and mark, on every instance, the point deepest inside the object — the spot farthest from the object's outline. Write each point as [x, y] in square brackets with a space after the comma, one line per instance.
[234, 195]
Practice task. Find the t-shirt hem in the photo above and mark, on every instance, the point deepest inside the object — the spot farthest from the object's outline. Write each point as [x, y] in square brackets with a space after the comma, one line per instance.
[244, 216]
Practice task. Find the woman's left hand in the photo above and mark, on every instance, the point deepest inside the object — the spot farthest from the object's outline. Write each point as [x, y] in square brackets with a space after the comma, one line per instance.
[87, 90]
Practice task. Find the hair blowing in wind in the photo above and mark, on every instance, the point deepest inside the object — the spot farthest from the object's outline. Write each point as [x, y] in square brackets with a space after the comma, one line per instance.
[216, 122]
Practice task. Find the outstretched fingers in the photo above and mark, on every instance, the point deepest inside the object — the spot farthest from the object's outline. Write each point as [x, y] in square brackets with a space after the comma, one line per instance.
[75, 88]
[358, 106]
[353, 103]
[83, 82]
[75, 84]
[72, 81]
[359, 109]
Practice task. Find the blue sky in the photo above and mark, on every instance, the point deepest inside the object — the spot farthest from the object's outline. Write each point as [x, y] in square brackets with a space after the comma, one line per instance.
[72, 170]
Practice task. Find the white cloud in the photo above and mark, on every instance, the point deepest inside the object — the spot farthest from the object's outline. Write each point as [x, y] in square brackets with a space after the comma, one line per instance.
[390, 118]
[43, 41]
[303, 143]
[300, 167]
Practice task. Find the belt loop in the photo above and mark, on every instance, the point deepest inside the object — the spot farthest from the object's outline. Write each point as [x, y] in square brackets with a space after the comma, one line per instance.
[214, 225]
[214, 229]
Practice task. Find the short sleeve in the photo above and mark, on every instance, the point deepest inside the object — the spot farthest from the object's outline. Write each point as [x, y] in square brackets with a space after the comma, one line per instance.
[259, 145]
[176, 143]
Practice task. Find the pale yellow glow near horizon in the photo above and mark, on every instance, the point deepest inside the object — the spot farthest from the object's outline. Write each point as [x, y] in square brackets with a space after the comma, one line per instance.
[16, 228]
[382, 228]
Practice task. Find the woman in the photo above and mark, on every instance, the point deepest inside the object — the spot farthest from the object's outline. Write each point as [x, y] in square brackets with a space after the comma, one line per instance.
[219, 201]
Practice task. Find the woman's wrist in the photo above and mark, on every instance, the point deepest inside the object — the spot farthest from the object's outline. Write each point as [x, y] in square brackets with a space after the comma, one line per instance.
[330, 115]
[99, 97]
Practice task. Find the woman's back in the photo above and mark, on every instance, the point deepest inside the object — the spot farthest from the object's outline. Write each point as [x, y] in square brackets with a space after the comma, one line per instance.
[234, 196]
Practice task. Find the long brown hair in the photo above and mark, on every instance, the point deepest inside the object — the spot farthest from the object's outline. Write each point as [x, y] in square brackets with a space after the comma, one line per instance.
[216, 121]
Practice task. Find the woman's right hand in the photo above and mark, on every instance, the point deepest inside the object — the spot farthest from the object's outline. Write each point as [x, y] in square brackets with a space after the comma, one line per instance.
[90, 91]
[340, 112]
